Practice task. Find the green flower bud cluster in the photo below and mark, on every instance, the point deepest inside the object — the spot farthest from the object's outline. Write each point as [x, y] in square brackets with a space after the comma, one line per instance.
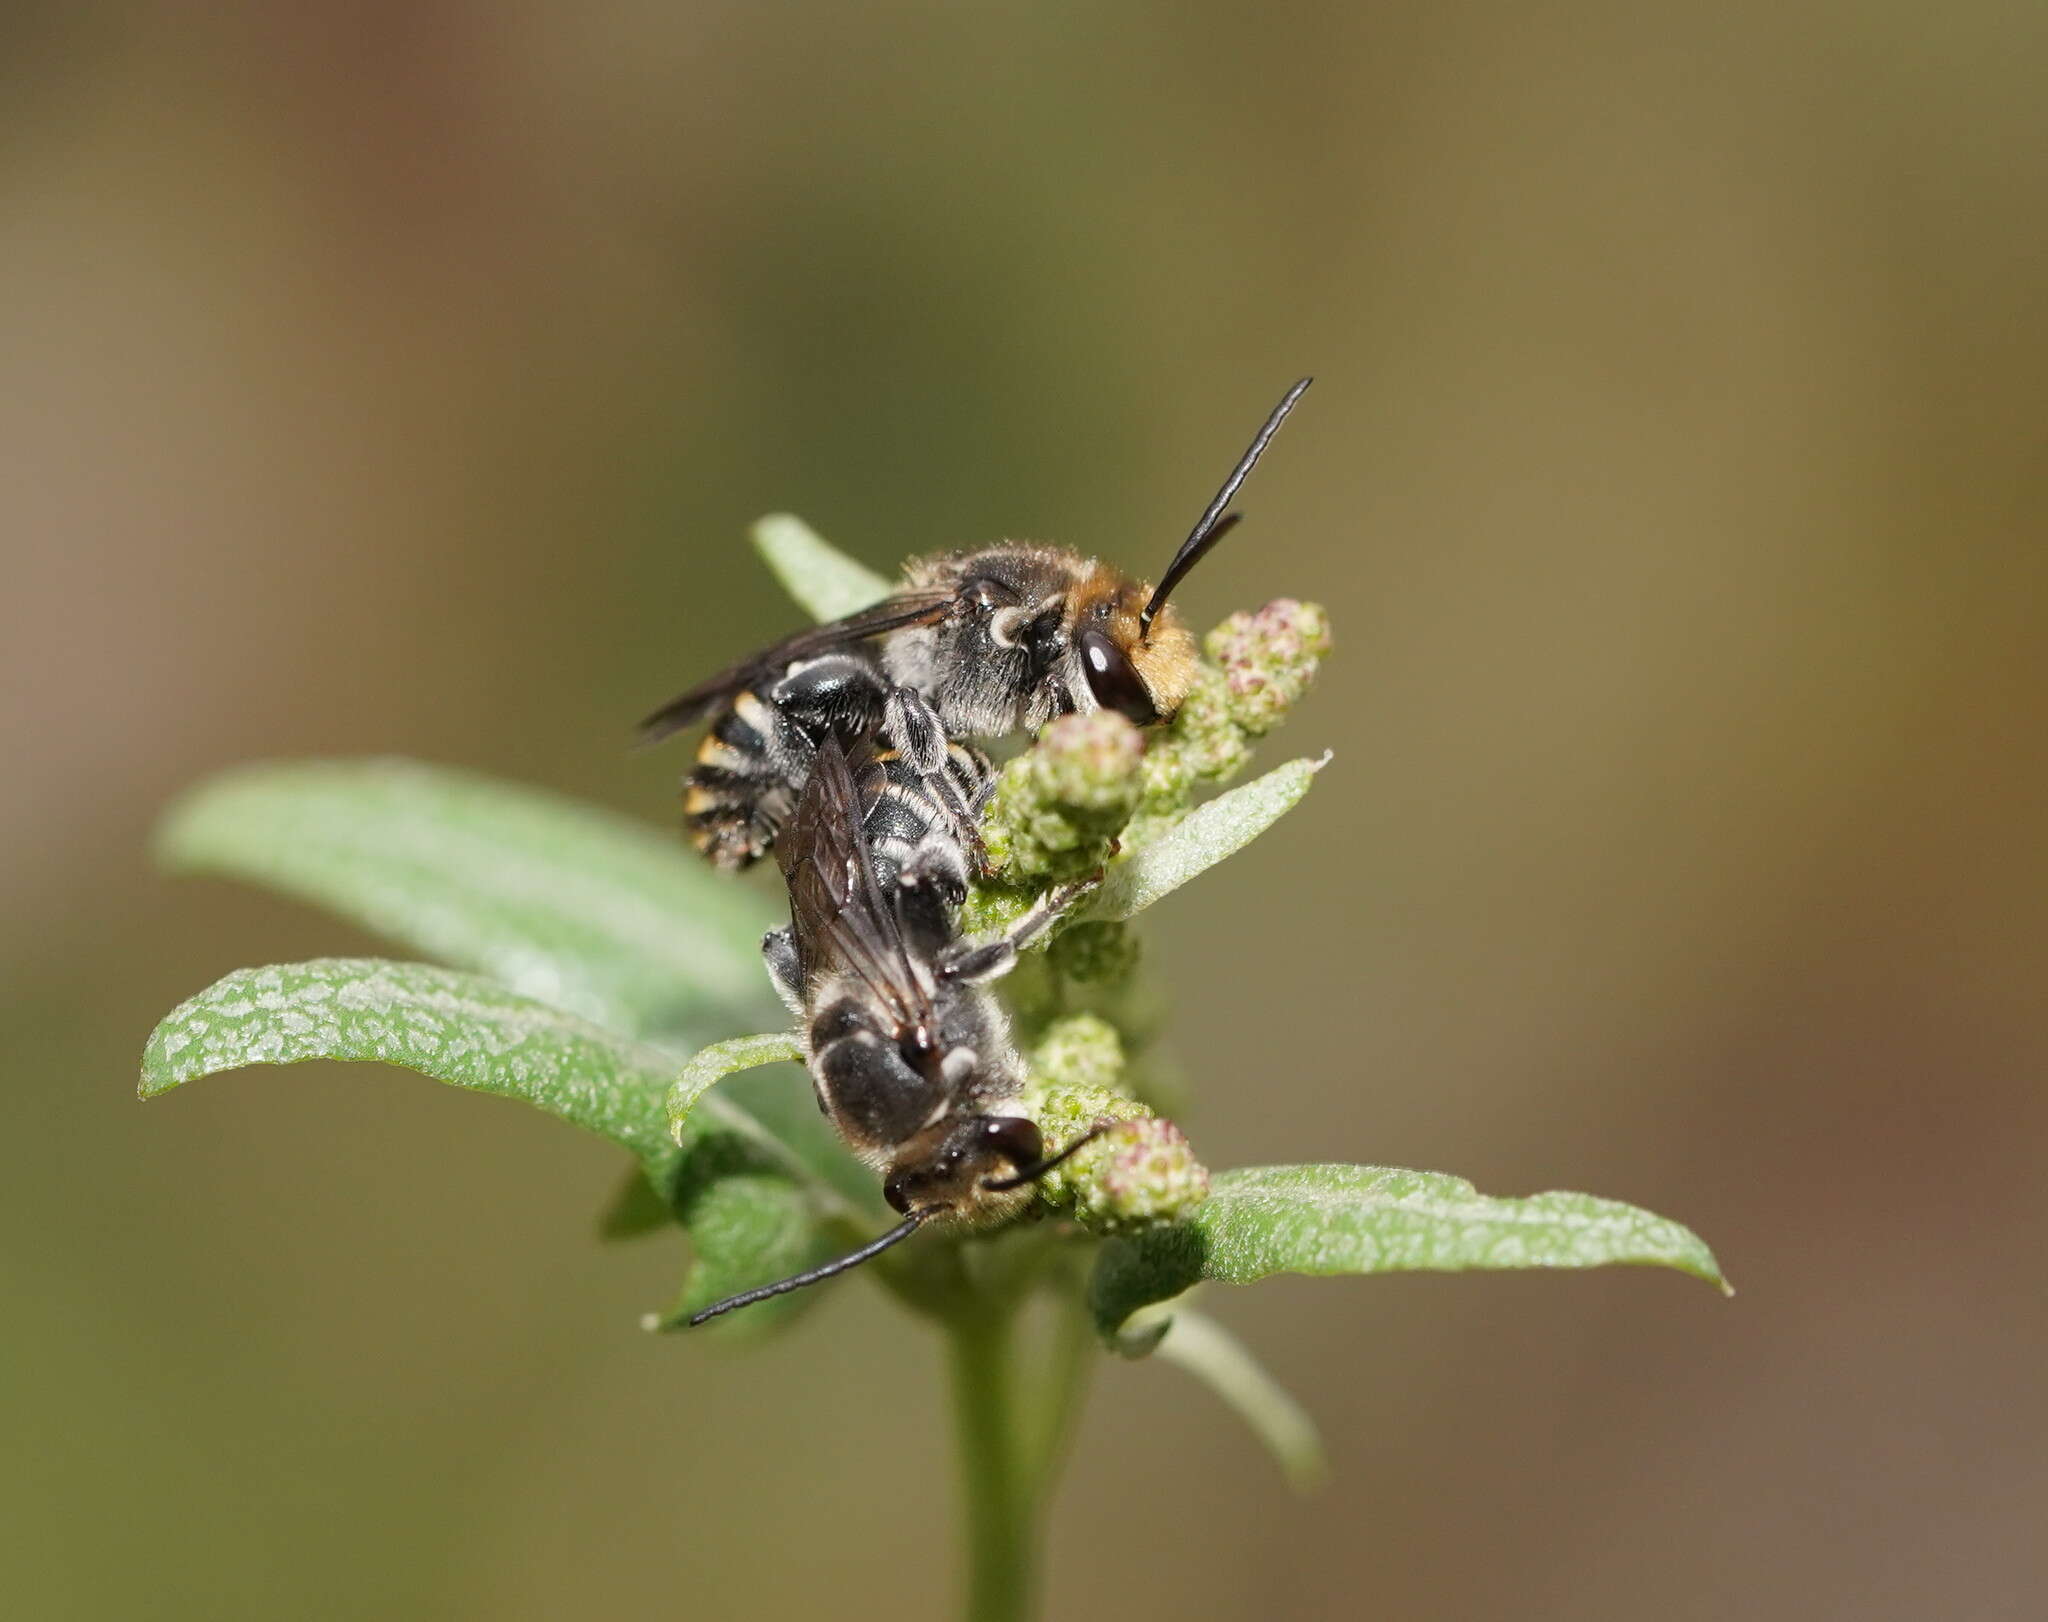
[1152, 1176]
[1082, 1053]
[1096, 954]
[1260, 664]
[1141, 1170]
[1057, 806]
[1268, 659]
[1204, 744]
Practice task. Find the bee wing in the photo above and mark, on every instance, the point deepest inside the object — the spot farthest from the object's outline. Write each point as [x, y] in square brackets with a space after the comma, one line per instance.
[892, 613]
[838, 914]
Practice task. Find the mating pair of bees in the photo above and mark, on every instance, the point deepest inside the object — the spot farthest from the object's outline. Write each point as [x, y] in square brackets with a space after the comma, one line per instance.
[849, 751]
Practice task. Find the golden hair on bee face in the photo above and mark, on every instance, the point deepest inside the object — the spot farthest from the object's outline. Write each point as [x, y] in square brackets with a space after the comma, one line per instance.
[1161, 658]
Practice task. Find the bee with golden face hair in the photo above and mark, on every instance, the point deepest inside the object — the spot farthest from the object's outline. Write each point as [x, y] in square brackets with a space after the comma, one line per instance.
[910, 1056]
[981, 643]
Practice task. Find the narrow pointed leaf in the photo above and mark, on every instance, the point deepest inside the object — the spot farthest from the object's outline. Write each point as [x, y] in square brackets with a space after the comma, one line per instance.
[1325, 1220]
[721, 1059]
[563, 902]
[1216, 1357]
[826, 583]
[1201, 839]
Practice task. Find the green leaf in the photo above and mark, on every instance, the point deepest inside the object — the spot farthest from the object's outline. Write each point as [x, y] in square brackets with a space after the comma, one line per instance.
[826, 583]
[458, 1028]
[634, 1209]
[1324, 1220]
[721, 1059]
[562, 902]
[748, 1225]
[1208, 1351]
[468, 1032]
[756, 1209]
[1201, 839]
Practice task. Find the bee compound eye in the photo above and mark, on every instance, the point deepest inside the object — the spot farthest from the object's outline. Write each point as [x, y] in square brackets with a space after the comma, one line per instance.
[1015, 1139]
[898, 1198]
[1114, 680]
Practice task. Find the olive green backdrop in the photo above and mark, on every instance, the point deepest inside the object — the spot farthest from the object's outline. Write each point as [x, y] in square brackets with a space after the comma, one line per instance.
[402, 378]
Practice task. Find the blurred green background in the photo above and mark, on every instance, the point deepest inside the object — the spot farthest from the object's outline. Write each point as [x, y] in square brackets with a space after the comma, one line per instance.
[402, 378]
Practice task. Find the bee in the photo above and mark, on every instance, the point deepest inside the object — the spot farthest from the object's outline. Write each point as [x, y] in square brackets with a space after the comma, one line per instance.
[910, 1056]
[976, 644]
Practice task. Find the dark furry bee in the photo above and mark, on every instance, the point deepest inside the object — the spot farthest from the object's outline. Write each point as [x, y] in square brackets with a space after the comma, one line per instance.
[910, 1056]
[977, 644]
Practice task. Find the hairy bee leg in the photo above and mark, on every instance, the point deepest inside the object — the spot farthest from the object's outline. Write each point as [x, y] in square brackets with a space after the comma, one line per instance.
[915, 729]
[993, 959]
[964, 813]
[778, 951]
[919, 736]
[973, 804]
[936, 866]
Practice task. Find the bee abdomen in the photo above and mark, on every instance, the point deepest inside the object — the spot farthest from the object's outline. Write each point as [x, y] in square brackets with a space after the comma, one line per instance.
[736, 796]
[875, 1099]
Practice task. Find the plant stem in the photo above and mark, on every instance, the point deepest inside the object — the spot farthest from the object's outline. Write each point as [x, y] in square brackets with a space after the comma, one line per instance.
[1013, 1432]
[1002, 1511]
[1069, 1361]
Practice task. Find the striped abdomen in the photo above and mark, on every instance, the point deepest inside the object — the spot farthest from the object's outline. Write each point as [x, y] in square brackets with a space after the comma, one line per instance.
[755, 758]
[749, 769]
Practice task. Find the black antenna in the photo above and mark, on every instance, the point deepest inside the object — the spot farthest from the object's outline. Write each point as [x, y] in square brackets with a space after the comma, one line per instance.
[817, 1275]
[1004, 1184]
[1214, 523]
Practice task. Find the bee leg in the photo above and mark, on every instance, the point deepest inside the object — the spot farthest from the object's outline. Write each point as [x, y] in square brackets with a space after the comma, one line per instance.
[964, 813]
[935, 865]
[914, 727]
[778, 951]
[993, 959]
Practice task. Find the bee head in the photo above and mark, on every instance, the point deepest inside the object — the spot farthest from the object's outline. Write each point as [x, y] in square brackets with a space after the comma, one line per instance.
[945, 1167]
[1142, 672]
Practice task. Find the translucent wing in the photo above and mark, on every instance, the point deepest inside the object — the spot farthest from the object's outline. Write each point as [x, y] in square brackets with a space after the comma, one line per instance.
[890, 614]
[839, 914]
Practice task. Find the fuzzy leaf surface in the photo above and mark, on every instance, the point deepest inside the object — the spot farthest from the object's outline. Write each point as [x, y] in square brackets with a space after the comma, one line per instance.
[754, 1207]
[748, 1225]
[1333, 1219]
[826, 583]
[561, 902]
[1205, 836]
[458, 1028]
